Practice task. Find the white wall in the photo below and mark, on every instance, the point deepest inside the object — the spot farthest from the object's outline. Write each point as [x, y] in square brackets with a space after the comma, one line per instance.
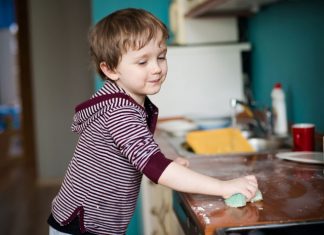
[61, 78]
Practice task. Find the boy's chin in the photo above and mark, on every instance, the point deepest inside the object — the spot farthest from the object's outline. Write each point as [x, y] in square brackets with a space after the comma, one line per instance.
[154, 91]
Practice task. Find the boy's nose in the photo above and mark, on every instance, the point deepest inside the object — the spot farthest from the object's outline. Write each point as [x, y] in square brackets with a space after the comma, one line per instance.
[156, 68]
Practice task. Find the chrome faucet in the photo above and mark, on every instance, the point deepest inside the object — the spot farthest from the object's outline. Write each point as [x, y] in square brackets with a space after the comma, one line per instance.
[262, 127]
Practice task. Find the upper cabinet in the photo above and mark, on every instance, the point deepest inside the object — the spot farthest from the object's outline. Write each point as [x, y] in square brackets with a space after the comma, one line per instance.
[207, 8]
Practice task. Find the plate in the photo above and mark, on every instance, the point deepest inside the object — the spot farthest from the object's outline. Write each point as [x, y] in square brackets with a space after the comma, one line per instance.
[177, 127]
[212, 124]
[305, 157]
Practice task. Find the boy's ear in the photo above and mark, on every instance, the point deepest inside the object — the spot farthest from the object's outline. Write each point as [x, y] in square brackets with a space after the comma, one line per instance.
[112, 74]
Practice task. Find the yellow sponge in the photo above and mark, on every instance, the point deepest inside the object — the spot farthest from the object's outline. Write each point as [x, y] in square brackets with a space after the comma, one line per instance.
[225, 140]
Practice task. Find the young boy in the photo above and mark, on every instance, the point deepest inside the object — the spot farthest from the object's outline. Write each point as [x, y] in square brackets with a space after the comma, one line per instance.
[116, 127]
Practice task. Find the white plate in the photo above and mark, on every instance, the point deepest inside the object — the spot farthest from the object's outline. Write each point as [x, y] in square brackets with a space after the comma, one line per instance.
[305, 157]
[213, 124]
[177, 127]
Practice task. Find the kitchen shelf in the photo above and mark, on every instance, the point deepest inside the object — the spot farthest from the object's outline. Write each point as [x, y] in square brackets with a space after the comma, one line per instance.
[219, 47]
[216, 8]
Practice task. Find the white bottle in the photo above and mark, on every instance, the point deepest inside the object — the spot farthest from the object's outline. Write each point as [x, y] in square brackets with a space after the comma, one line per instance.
[279, 111]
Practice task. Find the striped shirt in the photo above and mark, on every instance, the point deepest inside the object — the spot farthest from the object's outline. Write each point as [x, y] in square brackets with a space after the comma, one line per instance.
[115, 148]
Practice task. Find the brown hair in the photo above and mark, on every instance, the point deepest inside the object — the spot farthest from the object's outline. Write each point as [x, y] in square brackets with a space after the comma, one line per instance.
[120, 31]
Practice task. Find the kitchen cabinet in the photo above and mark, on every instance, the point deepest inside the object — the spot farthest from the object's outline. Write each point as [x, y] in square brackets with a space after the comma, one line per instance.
[158, 215]
[293, 195]
[214, 8]
[157, 212]
[201, 80]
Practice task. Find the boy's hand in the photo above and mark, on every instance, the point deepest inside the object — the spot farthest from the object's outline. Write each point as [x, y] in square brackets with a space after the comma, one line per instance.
[246, 185]
[182, 161]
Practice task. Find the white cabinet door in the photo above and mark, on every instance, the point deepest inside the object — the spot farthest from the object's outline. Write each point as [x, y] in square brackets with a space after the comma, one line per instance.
[201, 80]
[158, 215]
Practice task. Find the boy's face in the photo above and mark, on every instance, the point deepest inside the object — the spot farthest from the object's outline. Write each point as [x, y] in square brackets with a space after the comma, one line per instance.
[142, 72]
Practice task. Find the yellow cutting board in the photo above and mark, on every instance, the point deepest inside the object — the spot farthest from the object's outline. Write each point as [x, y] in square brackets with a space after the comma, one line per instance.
[218, 141]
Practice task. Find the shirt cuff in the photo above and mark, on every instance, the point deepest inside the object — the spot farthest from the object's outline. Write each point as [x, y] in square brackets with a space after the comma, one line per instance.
[155, 166]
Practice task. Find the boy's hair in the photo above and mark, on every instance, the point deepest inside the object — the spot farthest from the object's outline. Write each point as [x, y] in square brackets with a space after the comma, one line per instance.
[120, 31]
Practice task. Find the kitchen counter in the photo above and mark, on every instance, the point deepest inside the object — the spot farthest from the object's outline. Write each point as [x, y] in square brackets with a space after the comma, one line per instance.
[292, 193]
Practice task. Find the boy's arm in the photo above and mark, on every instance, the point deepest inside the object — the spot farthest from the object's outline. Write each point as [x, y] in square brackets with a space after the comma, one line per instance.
[182, 179]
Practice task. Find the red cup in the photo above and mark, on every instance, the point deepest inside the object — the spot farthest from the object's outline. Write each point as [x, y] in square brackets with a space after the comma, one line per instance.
[303, 136]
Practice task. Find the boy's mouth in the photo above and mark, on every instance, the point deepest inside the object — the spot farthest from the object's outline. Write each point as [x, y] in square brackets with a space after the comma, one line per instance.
[155, 80]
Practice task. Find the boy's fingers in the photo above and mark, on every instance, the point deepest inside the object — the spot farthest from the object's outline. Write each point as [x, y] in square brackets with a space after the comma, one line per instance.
[252, 180]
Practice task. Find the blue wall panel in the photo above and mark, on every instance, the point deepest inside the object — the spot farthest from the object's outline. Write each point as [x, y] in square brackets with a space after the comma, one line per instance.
[7, 13]
[288, 47]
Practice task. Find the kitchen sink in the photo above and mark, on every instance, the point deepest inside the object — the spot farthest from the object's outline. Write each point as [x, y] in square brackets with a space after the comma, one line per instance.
[261, 145]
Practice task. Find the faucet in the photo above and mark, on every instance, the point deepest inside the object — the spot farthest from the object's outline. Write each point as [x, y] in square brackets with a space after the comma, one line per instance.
[262, 126]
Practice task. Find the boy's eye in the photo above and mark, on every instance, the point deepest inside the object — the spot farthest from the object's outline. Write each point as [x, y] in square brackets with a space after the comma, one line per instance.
[142, 62]
[162, 57]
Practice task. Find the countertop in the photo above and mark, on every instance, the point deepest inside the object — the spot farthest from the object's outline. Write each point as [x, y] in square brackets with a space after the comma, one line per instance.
[292, 192]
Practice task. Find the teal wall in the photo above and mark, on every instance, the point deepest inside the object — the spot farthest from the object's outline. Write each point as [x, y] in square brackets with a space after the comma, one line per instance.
[101, 8]
[288, 47]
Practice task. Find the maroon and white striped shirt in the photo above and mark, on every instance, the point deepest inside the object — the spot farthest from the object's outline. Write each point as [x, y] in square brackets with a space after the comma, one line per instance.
[115, 148]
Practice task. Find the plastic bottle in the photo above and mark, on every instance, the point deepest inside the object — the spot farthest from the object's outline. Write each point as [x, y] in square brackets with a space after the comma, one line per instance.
[279, 111]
